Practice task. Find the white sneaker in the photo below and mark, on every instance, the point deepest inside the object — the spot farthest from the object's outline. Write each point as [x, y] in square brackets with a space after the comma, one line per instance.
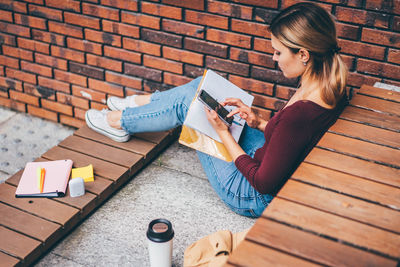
[118, 103]
[97, 121]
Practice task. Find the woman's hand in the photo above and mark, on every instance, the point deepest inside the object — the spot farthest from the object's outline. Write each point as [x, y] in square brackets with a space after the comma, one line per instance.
[244, 111]
[215, 121]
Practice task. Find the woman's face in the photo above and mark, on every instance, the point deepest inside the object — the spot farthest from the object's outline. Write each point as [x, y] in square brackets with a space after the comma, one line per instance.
[291, 64]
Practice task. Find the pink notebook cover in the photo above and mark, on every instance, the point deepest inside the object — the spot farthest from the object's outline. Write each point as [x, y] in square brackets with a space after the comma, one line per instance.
[55, 181]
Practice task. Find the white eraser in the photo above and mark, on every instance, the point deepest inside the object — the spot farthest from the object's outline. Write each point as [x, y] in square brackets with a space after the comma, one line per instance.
[77, 187]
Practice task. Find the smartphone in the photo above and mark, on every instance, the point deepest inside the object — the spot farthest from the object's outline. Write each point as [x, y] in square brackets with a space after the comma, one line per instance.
[213, 104]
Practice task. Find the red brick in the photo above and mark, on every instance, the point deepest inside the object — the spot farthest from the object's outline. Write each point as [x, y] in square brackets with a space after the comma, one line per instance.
[122, 4]
[162, 10]
[263, 45]
[51, 61]
[106, 87]
[384, 6]
[57, 107]
[6, 16]
[54, 84]
[363, 17]
[67, 54]
[227, 66]
[86, 70]
[206, 47]
[140, 19]
[151, 86]
[45, 12]
[81, 20]
[183, 56]
[15, 29]
[30, 21]
[349, 61]
[362, 49]
[13, 5]
[270, 75]
[65, 29]
[265, 15]
[198, 4]
[39, 2]
[162, 64]
[79, 113]
[70, 121]
[9, 61]
[141, 46]
[284, 92]
[229, 38]
[394, 56]
[287, 3]
[100, 11]
[252, 28]
[183, 28]
[2, 71]
[357, 79]
[396, 24]
[175, 80]
[103, 37]
[143, 72]
[268, 102]
[269, 3]
[252, 85]
[7, 39]
[25, 98]
[124, 80]
[10, 84]
[381, 37]
[230, 10]
[120, 28]
[39, 91]
[64, 4]
[42, 113]
[71, 100]
[122, 54]
[104, 63]
[161, 37]
[248, 56]
[84, 45]
[70, 77]
[15, 105]
[347, 31]
[206, 19]
[263, 113]
[20, 75]
[33, 45]
[48, 37]
[17, 52]
[88, 94]
[378, 68]
[36, 68]
[98, 106]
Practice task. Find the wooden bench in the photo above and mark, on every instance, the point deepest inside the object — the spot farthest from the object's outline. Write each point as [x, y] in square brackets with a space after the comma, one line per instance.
[30, 226]
[342, 205]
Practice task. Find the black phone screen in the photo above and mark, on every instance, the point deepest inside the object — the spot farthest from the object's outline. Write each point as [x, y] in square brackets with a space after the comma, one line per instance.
[214, 105]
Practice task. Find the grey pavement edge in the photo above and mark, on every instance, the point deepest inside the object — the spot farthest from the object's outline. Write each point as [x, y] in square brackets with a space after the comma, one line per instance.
[173, 186]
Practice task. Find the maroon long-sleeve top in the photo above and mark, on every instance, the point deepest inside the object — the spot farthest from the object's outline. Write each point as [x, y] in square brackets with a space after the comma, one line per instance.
[289, 137]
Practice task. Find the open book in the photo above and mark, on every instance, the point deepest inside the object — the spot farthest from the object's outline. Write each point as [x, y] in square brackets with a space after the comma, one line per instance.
[197, 132]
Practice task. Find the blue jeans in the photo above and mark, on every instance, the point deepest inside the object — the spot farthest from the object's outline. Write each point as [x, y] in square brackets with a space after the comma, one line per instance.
[168, 110]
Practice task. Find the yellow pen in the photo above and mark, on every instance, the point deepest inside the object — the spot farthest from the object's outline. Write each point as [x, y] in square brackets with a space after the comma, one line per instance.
[38, 175]
[42, 174]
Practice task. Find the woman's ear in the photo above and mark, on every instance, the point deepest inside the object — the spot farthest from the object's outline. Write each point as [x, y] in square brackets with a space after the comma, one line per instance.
[304, 55]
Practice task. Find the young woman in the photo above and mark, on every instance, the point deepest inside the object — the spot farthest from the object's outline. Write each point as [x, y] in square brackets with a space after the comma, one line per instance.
[305, 43]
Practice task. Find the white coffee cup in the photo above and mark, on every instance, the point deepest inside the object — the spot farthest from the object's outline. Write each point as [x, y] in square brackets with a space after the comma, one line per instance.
[76, 187]
[160, 235]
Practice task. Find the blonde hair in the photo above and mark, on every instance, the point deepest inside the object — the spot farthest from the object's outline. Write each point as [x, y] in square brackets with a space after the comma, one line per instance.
[309, 26]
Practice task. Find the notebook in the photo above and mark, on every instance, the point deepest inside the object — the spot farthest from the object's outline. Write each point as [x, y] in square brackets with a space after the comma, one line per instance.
[55, 180]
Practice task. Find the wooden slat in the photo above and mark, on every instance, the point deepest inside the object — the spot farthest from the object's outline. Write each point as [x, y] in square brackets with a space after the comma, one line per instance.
[365, 150]
[154, 137]
[309, 246]
[21, 246]
[250, 254]
[376, 104]
[367, 133]
[101, 151]
[372, 118]
[348, 207]
[29, 224]
[354, 166]
[380, 93]
[42, 207]
[359, 234]
[100, 167]
[7, 260]
[349, 184]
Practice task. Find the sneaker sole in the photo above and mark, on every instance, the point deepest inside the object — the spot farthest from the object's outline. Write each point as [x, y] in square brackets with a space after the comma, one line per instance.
[120, 139]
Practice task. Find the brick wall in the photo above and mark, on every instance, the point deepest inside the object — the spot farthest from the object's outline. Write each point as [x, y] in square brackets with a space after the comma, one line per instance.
[60, 57]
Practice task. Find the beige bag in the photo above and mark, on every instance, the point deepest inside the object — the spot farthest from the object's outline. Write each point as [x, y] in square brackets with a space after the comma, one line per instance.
[212, 250]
